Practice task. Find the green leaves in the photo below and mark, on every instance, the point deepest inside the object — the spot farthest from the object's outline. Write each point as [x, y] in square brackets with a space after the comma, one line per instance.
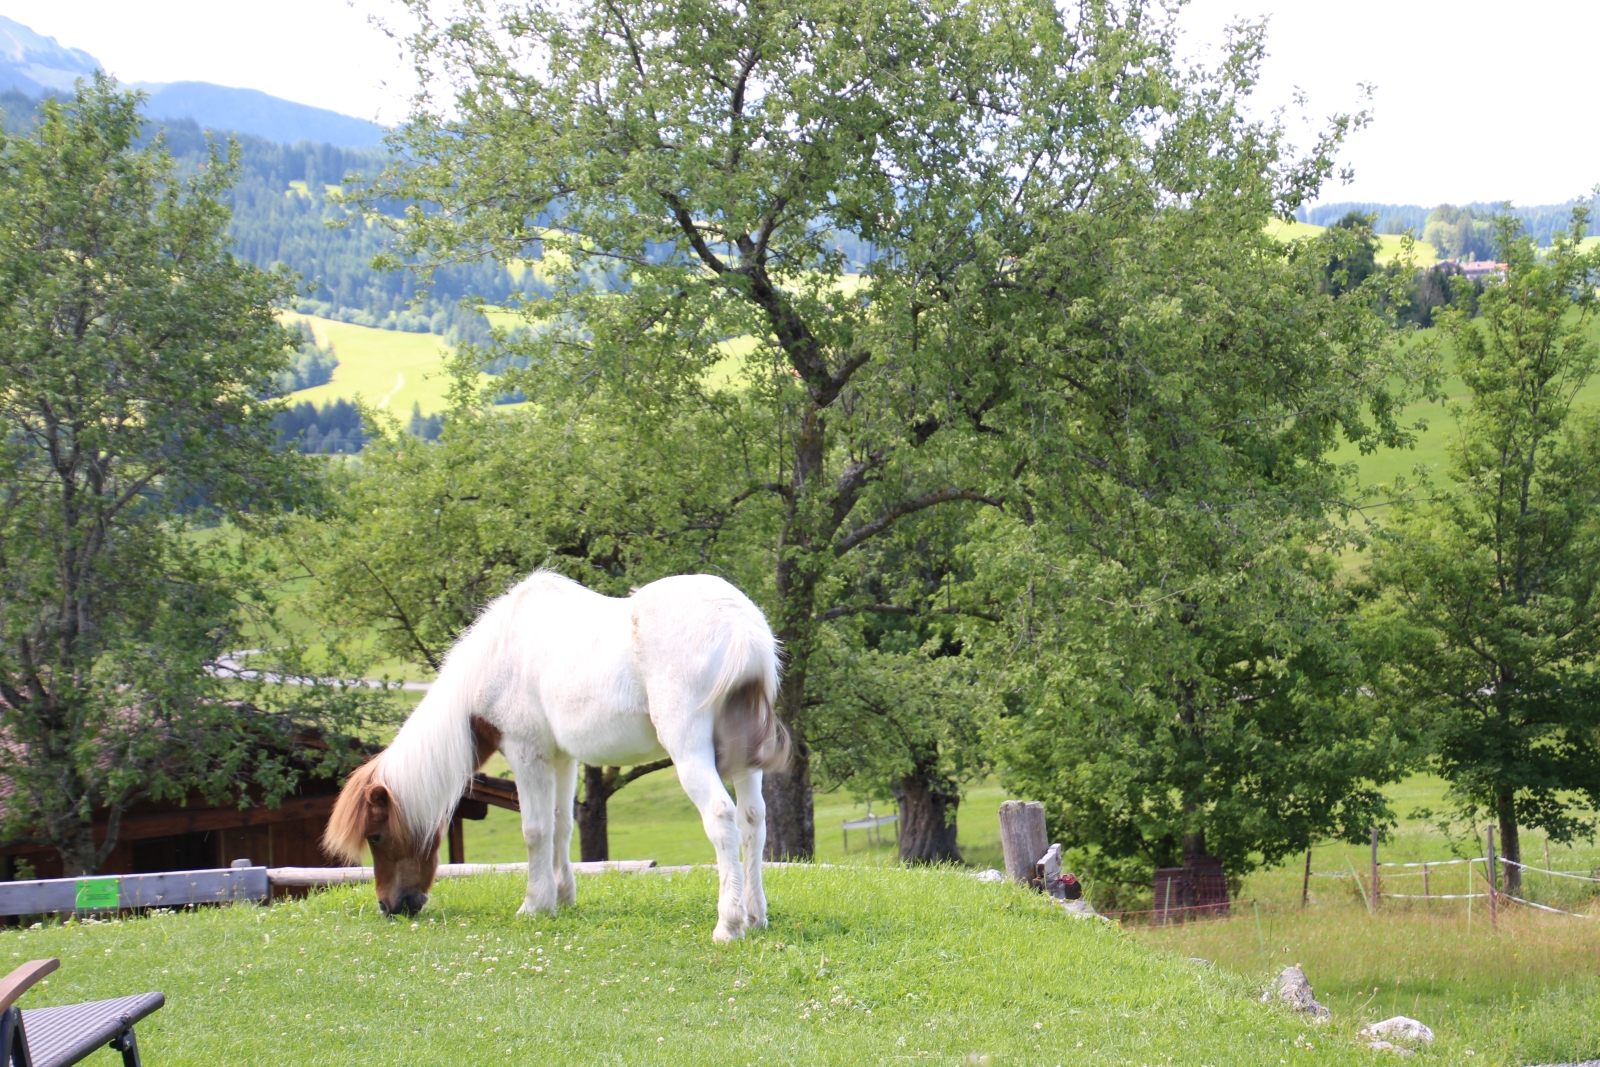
[940, 259]
[1490, 582]
[134, 355]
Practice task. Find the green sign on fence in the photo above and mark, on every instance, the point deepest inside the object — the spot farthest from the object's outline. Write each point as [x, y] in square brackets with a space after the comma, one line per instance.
[98, 892]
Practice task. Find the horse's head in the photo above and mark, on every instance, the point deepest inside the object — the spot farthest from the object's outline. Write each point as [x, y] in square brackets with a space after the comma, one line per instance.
[404, 861]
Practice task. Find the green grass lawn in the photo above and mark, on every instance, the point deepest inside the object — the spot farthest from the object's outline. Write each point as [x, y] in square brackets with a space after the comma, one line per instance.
[861, 966]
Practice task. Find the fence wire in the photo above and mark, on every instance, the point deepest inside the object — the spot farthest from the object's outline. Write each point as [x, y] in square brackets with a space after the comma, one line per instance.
[1428, 866]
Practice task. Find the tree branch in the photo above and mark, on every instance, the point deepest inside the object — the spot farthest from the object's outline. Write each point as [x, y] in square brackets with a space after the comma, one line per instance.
[908, 507]
[635, 773]
[842, 610]
[405, 620]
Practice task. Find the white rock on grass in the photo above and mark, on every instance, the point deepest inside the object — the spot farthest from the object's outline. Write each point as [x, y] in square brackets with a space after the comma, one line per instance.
[1405, 1031]
[1294, 989]
[991, 875]
[1079, 909]
[1385, 1046]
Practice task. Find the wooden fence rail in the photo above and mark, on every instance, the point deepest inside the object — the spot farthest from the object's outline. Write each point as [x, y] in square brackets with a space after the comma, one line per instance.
[241, 882]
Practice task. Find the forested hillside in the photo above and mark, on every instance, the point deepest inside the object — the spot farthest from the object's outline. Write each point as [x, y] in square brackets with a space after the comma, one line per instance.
[1540, 221]
[283, 214]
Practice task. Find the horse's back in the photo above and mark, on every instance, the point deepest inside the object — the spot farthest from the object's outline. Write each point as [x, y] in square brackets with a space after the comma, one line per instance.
[687, 626]
[684, 607]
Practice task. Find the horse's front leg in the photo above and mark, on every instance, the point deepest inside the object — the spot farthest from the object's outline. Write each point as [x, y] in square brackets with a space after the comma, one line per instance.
[566, 773]
[536, 795]
[752, 843]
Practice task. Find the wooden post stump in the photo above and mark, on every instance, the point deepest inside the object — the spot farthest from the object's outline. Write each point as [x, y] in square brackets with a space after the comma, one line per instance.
[1494, 882]
[1373, 903]
[1022, 837]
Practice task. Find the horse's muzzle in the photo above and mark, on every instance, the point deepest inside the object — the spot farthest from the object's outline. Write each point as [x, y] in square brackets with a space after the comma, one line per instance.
[407, 902]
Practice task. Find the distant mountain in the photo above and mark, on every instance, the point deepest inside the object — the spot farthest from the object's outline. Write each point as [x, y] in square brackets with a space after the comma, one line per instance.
[218, 107]
[34, 65]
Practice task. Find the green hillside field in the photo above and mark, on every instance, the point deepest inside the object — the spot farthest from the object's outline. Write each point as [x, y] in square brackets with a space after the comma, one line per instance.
[1429, 455]
[861, 965]
[1389, 245]
[389, 369]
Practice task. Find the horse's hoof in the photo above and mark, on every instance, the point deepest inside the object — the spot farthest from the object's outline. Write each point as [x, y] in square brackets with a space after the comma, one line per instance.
[532, 910]
[722, 934]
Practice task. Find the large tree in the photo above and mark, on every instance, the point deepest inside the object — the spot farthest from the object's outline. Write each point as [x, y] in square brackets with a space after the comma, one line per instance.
[816, 206]
[1184, 679]
[1489, 578]
[135, 358]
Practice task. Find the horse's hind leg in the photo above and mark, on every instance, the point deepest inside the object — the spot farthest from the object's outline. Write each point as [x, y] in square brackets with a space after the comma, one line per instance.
[697, 772]
[752, 843]
[566, 772]
[536, 794]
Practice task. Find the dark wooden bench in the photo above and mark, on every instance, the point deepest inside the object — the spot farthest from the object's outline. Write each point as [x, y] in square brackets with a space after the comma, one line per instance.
[56, 1037]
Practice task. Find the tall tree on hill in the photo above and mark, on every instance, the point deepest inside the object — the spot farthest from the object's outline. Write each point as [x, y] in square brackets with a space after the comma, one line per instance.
[134, 353]
[1184, 672]
[705, 157]
[1491, 581]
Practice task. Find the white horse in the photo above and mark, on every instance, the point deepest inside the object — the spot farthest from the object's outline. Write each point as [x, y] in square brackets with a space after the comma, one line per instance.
[554, 675]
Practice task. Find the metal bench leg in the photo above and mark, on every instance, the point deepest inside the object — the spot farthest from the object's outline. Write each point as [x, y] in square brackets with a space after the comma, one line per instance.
[127, 1044]
[13, 1041]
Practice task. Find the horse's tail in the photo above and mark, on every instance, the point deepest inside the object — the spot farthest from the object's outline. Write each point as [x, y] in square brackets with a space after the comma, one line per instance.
[749, 734]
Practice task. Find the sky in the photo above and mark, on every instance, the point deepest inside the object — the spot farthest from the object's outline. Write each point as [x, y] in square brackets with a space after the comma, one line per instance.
[1473, 101]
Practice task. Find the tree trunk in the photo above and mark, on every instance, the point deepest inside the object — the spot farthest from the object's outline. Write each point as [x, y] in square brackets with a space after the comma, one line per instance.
[791, 827]
[79, 854]
[1194, 846]
[802, 558]
[589, 812]
[927, 821]
[1510, 842]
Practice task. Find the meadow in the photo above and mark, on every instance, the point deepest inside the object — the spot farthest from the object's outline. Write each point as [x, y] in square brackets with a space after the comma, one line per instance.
[1526, 990]
[389, 369]
[860, 965]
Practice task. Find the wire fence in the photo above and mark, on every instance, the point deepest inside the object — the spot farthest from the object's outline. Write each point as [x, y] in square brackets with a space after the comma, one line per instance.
[1478, 886]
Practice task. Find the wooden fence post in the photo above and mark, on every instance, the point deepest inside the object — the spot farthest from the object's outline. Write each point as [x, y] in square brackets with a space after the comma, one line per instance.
[1373, 904]
[1022, 837]
[1494, 882]
[457, 840]
[1305, 883]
